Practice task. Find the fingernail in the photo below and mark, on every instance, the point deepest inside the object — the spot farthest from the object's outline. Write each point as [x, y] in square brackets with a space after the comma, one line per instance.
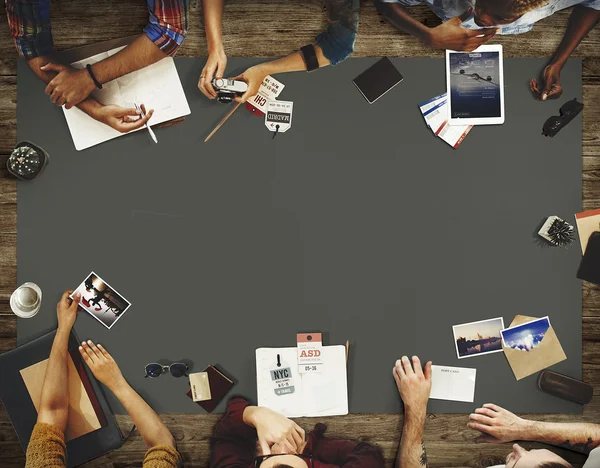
[80, 348]
[83, 343]
[89, 341]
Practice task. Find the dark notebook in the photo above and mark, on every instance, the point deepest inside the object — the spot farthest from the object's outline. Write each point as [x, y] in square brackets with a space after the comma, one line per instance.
[378, 79]
[219, 386]
[589, 268]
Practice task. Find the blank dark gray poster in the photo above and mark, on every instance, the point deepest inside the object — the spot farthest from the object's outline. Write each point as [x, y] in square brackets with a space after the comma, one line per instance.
[357, 222]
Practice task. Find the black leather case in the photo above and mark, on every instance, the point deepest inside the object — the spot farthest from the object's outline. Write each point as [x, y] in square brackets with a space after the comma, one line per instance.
[23, 414]
[565, 387]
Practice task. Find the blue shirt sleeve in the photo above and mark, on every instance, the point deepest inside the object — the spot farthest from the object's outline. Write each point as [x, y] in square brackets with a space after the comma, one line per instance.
[337, 42]
[595, 4]
[405, 2]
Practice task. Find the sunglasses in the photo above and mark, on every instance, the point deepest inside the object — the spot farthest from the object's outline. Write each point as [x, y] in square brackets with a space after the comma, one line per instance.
[177, 369]
[305, 457]
[568, 112]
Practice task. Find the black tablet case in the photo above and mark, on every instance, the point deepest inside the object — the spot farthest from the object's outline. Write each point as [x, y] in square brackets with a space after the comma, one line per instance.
[589, 268]
[23, 414]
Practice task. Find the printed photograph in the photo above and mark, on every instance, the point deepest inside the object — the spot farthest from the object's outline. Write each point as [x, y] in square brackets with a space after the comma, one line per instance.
[98, 298]
[526, 336]
[477, 338]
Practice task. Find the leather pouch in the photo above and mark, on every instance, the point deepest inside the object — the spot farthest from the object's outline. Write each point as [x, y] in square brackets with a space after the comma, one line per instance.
[565, 387]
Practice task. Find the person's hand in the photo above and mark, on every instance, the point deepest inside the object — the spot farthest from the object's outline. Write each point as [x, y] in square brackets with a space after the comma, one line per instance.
[497, 425]
[452, 35]
[70, 86]
[550, 80]
[122, 119]
[102, 365]
[414, 383]
[66, 310]
[214, 68]
[254, 77]
[274, 430]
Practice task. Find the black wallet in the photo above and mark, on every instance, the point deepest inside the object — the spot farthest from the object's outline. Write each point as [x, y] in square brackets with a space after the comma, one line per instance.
[565, 387]
[589, 268]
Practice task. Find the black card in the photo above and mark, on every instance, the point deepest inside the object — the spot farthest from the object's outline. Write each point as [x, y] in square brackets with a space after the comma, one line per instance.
[378, 79]
[589, 268]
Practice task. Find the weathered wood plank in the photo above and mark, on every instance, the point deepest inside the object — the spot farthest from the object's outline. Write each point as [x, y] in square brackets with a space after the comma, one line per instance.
[250, 26]
[449, 442]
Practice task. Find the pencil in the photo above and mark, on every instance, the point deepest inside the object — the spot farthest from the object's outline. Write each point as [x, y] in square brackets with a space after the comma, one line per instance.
[222, 122]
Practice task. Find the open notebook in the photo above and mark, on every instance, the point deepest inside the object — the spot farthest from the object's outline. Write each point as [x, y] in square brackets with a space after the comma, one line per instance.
[283, 389]
[157, 86]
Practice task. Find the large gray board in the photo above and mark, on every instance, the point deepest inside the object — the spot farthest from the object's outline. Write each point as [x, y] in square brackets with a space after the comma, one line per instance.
[357, 222]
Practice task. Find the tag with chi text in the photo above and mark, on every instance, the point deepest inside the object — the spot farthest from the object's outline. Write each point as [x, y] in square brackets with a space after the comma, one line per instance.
[279, 116]
[269, 89]
[310, 355]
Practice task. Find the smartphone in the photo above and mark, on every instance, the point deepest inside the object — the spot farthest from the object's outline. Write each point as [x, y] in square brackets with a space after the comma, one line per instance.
[378, 79]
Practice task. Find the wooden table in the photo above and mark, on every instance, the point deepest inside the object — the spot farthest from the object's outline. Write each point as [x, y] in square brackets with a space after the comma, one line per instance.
[275, 28]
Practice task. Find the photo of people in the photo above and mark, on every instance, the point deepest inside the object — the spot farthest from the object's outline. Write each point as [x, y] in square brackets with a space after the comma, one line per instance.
[99, 299]
[526, 336]
[477, 338]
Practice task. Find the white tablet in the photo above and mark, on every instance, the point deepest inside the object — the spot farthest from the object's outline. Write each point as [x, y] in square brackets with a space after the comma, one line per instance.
[475, 85]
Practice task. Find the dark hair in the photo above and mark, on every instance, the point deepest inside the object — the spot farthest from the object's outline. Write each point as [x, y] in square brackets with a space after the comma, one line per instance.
[554, 465]
[283, 465]
[341, 11]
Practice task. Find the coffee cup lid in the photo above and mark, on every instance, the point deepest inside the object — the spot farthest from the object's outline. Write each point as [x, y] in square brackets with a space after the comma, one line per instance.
[26, 300]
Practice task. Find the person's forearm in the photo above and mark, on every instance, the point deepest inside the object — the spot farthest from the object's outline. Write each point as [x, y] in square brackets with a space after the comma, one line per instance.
[402, 20]
[581, 22]
[88, 105]
[411, 453]
[580, 437]
[213, 19]
[293, 62]
[152, 429]
[139, 54]
[55, 395]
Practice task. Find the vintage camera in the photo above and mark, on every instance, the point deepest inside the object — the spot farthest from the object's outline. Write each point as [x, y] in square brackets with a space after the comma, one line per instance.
[227, 90]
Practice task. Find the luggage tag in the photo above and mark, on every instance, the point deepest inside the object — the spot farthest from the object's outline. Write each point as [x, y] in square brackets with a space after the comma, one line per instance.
[269, 89]
[310, 355]
[278, 118]
[282, 378]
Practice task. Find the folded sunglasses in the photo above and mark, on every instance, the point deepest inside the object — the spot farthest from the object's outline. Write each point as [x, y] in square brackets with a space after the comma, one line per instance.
[177, 369]
[568, 112]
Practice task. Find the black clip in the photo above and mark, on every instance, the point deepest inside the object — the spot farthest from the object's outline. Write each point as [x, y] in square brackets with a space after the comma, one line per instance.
[278, 361]
[275, 134]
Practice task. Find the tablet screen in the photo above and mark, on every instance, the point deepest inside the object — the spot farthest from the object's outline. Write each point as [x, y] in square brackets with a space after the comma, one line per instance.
[475, 85]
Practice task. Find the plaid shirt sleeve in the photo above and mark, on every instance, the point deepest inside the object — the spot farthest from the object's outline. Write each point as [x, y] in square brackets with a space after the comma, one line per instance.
[168, 23]
[29, 22]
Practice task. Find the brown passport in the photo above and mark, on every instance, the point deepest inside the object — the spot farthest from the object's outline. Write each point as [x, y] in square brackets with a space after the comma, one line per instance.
[219, 387]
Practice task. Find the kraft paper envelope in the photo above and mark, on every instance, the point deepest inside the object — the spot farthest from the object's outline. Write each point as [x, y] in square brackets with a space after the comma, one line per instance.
[547, 353]
[82, 418]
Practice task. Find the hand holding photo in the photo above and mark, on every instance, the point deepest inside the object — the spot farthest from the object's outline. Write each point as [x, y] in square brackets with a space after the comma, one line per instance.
[477, 338]
[99, 299]
[527, 336]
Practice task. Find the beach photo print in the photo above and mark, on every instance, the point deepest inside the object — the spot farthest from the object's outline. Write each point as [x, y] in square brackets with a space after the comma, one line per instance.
[527, 336]
[478, 338]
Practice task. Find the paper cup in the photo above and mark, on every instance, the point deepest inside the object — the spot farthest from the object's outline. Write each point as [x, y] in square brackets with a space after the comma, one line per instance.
[26, 300]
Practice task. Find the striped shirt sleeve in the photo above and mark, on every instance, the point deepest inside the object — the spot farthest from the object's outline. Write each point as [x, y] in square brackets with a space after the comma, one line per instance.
[167, 25]
[29, 22]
